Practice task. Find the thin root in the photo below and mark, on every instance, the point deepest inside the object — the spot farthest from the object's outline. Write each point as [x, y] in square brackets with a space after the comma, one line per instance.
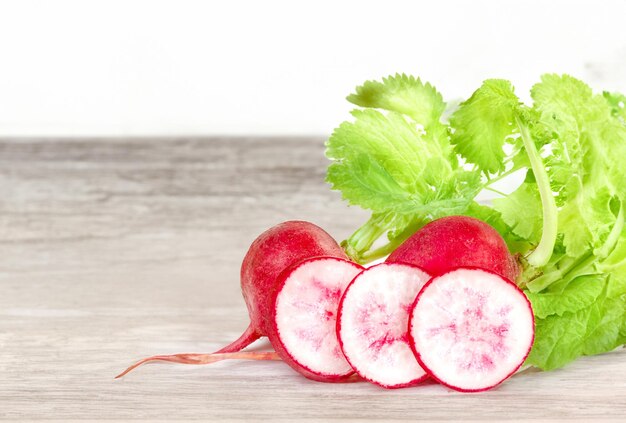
[204, 358]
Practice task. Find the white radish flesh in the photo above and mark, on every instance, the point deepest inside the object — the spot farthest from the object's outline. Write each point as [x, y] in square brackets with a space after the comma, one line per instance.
[471, 329]
[373, 321]
[306, 316]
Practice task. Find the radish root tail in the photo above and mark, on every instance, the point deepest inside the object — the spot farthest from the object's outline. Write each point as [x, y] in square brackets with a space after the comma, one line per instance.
[204, 358]
[250, 335]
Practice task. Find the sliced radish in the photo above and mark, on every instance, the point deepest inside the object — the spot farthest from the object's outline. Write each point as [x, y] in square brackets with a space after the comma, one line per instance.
[373, 321]
[471, 329]
[305, 317]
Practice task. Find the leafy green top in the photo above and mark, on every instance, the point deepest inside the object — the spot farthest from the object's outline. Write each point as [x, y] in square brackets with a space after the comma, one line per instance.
[400, 159]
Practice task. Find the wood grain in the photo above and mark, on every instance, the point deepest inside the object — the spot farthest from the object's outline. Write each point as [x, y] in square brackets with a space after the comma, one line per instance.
[114, 249]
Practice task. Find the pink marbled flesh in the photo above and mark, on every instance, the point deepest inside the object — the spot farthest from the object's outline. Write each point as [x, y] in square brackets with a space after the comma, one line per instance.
[471, 329]
[373, 322]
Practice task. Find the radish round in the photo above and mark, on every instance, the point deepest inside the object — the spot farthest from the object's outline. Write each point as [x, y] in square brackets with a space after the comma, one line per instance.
[305, 317]
[269, 255]
[471, 329]
[457, 241]
[372, 324]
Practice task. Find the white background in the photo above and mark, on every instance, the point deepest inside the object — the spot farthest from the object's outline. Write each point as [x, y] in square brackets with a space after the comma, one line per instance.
[276, 67]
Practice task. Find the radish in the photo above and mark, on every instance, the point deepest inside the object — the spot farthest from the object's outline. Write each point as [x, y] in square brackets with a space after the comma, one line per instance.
[457, 241]
[304, 317]
[373, 320]
[471, 329]
[270, 254]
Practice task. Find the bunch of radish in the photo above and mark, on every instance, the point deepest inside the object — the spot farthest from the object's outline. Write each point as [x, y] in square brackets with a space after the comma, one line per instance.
[443, 305]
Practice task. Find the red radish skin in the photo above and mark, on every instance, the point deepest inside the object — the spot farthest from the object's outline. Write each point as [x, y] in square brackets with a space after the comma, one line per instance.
[457, 241]
[303, 330]
[471, 329]
[269, 255]
[373, 320]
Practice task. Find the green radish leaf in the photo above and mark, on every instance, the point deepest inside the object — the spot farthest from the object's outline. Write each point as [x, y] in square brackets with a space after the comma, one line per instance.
[578, 294]
[483, 123]
[521, 210]
[593, 329]
[402, 94]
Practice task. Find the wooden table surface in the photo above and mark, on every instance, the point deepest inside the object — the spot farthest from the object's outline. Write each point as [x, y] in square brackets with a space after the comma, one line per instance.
[112, 250]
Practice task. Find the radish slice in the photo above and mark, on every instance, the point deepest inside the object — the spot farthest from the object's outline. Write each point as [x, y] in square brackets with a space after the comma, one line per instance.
[306, 316]
[471, 329]
[373, 320]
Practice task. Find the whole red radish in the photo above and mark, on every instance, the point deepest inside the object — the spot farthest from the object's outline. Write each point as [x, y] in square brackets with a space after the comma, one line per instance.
[271, 254]
[457, 241]
[471, 329]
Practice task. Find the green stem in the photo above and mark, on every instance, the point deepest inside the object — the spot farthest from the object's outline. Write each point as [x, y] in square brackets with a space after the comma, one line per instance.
[570, 268]
[501, 176]
[488, 188]
[388, 248]
[363, 238]
[573, 267]
[378, 253]
[541, 255]
[543, 281]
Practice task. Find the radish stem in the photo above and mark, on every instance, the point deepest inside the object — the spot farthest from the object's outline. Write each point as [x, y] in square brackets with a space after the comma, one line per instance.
[390, 247]
[573, 267]
[541, 255]
[363, 238]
